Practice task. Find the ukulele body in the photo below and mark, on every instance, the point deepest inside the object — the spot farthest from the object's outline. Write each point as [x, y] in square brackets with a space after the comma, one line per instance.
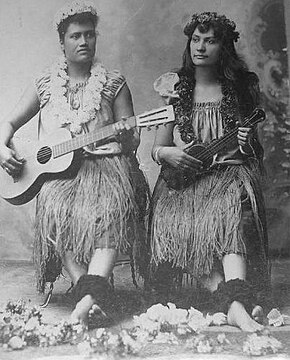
[178, 179]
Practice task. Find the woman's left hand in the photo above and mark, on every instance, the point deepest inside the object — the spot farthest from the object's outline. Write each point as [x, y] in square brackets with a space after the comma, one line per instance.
[245, 135]
[121, 128]
[125, 136]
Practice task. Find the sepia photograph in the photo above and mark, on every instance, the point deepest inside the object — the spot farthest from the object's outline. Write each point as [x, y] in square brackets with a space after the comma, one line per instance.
[144, 179]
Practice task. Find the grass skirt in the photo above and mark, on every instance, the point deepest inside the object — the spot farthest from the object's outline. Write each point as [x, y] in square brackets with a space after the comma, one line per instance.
[221, 213]
[95, 207]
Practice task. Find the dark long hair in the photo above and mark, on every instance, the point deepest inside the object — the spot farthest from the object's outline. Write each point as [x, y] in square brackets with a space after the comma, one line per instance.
[231, 68]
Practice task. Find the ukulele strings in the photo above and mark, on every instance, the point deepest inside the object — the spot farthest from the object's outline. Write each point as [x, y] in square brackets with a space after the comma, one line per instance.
[207, 153]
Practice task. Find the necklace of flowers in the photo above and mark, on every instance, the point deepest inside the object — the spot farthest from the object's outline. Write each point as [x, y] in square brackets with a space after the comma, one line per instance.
[183, 108]
[61, 109]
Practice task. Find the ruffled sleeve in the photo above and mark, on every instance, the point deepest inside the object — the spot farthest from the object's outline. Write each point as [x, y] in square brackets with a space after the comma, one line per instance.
[115, 82]
[42, 84]
[165, 86]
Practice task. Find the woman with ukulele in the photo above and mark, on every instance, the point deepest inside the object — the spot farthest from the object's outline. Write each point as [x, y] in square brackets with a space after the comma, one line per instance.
[210, 222]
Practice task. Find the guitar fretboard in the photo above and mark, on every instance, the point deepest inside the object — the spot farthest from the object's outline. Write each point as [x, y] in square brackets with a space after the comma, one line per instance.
[78, 142]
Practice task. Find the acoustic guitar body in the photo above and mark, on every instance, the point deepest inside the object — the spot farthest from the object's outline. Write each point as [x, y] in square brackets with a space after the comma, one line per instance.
[39, 162]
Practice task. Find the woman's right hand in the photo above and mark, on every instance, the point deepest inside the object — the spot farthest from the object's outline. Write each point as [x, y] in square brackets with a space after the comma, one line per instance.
[179, 159]
[10, 162]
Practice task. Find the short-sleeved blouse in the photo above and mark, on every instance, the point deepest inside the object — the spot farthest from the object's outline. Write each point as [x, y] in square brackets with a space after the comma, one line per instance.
[104, 116]
[206, 118]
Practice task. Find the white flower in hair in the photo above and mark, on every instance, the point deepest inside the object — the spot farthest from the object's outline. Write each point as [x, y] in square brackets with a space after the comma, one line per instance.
[72, 8]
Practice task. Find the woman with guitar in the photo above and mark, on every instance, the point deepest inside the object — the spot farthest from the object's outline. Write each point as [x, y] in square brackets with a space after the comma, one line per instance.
[87, 215]
[207, 214]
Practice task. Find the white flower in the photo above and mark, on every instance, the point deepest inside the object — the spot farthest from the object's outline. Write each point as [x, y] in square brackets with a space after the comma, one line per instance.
[204, 347]
[31, 324]
[146, 324]
[196, 320]
[91, 101]
[176, 316]
[217, 319]
[157, 312]
[261, 345]
[16, 343]
[72, 8]
[275, 318]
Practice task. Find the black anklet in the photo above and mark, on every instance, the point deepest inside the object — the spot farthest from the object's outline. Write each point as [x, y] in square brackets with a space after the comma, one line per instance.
[94, 285]
[234, 290]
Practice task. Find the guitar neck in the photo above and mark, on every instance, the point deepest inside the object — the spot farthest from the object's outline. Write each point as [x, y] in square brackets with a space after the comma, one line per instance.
[78, 142]
[223, 142]
[231, 137]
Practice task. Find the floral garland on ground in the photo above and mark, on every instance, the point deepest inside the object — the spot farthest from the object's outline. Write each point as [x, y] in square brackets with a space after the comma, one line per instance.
[21, 326]
[61, 110]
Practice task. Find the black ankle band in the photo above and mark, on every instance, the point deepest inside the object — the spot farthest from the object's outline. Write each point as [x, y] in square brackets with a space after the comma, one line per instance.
[234, 290]
[94, 285]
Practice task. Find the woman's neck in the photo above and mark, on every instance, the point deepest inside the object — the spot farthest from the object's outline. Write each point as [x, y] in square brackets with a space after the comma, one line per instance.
[78, 72]
[207, 87]
[206, 75]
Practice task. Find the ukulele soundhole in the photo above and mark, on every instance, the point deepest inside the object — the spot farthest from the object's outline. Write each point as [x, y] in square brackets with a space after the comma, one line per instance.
[44, 155]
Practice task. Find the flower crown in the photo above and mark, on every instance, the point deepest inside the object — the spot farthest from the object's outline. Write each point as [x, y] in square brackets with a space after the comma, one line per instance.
[72, 8]
[228, 26]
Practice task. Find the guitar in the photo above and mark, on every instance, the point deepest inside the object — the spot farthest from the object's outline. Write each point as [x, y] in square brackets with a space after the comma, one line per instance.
[55, 154]
[179, 179]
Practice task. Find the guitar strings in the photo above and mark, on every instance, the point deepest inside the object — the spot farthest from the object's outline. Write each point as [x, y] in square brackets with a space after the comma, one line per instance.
[206, 153]
[230, 136]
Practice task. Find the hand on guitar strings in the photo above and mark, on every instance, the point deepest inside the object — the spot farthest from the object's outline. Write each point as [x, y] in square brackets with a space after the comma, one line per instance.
[177, 158]
[10, 162]
[122, 130]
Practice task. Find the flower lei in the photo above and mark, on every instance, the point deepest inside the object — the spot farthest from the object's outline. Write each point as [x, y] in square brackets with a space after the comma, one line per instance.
[183, 108]
[91, 99]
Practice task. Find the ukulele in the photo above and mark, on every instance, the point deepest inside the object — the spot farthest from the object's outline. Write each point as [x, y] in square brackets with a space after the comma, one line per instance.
[180, 179]
[55, 154]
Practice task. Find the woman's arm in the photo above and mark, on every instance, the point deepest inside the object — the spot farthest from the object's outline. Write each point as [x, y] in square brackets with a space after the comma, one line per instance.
[164, 151]
[27, 107]
[123, 108]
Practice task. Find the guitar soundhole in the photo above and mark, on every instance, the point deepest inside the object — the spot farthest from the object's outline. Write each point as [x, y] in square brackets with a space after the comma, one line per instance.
[44, 155]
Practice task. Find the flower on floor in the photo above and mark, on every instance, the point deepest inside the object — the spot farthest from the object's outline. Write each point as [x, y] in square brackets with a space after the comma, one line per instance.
[275, 318]
[258, 345]
[22, 326]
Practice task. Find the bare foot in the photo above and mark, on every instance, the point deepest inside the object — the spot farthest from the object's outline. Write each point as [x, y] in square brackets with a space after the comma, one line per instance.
[238, 316]
[97, 317]
[80, 313]
[258, 314]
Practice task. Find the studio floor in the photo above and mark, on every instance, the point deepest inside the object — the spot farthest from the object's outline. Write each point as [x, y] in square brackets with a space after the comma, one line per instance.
[17, 282]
